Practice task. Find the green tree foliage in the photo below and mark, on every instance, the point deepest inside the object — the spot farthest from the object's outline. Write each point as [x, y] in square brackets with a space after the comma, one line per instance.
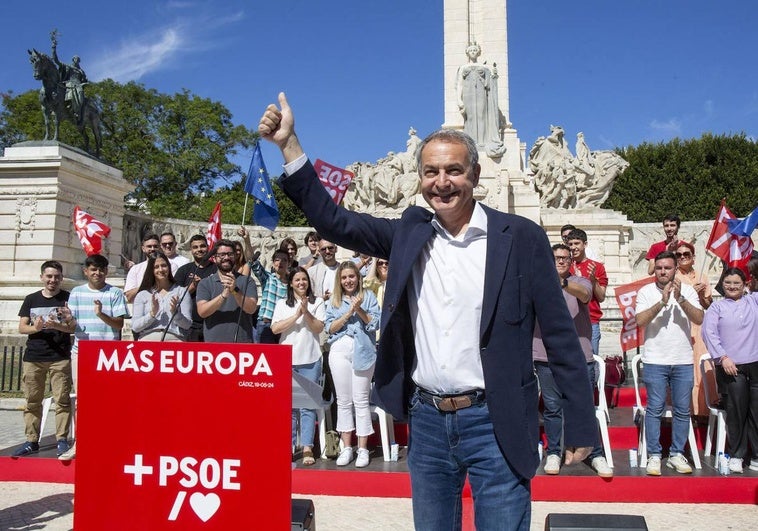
[175, 148]
[687, 177]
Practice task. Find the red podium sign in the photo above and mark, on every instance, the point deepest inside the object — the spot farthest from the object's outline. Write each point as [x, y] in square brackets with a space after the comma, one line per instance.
[183, 436]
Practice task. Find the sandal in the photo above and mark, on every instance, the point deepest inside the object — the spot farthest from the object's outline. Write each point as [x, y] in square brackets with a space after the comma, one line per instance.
[308, 459]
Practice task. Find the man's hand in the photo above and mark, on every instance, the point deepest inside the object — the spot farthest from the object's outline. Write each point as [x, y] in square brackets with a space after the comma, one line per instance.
[677, 288]
[666, 293]
[577, 455]
[278, 126]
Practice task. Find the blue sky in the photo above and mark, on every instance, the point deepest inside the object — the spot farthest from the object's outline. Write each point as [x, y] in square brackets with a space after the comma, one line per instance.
[358, 74]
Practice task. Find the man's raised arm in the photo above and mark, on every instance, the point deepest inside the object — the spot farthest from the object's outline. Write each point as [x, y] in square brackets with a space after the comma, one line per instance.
[278, 126]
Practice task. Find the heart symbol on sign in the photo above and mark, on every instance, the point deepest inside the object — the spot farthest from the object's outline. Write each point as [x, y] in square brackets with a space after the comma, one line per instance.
[205, 505]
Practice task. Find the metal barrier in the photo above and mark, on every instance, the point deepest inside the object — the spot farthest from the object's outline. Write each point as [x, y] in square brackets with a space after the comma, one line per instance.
[10, 368]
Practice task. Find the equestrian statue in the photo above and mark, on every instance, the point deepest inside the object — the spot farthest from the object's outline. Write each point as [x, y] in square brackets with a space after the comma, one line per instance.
[62, 95]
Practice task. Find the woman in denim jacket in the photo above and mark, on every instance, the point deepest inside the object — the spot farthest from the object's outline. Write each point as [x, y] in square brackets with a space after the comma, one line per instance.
[352, 319]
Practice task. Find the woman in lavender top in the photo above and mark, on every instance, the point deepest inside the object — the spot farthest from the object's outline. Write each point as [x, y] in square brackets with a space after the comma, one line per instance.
[730, 331]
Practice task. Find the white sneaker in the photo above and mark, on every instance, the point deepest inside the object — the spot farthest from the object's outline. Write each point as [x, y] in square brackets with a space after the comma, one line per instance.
[679, 463]
[753, 465]
[735, 465]
[362, 459]
[552, 464]
[601, 467]
[345, 456]
[653, 465]
[69, 454]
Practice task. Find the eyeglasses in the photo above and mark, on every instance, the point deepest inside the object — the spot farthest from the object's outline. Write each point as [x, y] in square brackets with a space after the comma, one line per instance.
[225, 255]
[168, 245]
[330, 249]
[562, 258]
[381, 263]
[683, 255]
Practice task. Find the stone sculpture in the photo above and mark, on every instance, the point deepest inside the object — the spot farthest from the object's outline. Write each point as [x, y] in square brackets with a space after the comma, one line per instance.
[388, 186]
[567, 181]
[62, 95]
[476, 90]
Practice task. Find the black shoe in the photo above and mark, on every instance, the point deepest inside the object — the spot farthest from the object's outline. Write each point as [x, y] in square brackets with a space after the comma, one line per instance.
[27, 448]
[62, 447]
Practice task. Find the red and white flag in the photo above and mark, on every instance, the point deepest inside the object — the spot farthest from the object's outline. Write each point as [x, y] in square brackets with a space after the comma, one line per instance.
[335, 180]
[626, 296]
[90, 231]
[213, 234]
[734, 250]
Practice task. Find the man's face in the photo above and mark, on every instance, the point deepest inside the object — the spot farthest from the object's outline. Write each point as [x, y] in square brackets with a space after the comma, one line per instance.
[225, 259]
[150, 246]
[564, 235]
[312, 244]
[168, 244]
[281, 264]
[51, 278]
[577, 249]
[665, 270]
[562, 262]
[198, 248]
[448, 180]
[328, 251]
[670, 229]
[95, 276]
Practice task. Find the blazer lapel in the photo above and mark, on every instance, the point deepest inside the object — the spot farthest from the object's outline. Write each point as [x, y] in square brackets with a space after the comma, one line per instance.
[498, 254]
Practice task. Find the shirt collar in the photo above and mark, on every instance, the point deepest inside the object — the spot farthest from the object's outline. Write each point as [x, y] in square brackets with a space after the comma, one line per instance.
[477, 225]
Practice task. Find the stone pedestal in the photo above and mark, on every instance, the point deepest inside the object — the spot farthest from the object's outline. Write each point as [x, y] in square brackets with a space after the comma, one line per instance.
[40, 184]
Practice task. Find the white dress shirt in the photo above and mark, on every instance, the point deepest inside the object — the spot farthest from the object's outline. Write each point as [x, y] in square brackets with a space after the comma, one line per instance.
[446, 308]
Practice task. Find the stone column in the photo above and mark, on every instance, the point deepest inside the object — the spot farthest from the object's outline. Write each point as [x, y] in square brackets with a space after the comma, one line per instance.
[40, 184]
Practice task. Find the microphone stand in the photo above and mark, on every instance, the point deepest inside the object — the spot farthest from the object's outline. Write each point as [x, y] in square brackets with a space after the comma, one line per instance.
[179, 303]
[244, 295]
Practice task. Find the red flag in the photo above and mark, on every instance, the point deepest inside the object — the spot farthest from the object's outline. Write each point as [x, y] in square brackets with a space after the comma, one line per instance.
[335, 180]
[626, 297]
[90, 231]
[213, 234]
[734, 250]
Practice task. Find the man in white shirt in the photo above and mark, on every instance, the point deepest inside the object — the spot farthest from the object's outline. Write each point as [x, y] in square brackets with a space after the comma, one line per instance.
[168, 246]
[665, 310]
[150, 245]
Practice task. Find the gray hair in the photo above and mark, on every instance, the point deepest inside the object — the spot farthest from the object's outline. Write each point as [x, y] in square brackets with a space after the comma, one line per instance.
[453, 136]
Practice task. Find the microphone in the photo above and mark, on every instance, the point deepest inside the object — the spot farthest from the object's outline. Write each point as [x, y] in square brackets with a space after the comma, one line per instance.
[254, 259]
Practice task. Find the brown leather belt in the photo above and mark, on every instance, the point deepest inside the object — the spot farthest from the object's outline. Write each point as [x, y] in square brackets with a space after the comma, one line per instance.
[449, 403]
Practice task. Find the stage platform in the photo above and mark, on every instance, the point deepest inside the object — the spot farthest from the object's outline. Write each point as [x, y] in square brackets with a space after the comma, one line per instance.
[391, 479]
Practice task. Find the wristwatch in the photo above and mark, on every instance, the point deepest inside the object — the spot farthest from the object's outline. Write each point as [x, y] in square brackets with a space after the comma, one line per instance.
[681, 299]
[565, 283]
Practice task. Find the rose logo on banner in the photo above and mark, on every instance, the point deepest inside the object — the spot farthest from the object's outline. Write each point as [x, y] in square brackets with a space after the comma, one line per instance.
[210, 474]
[335, 180]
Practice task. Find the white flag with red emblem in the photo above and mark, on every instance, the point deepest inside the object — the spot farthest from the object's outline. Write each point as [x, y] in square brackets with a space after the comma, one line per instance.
[213, 234]
[90, 231]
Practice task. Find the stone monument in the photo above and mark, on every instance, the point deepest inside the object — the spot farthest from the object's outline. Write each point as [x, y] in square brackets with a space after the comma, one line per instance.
[40, 184]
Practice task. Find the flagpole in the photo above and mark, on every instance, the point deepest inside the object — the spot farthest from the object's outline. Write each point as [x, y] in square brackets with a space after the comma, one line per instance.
[244, 211]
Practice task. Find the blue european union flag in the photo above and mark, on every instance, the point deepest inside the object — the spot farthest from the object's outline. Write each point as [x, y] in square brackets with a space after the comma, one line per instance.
[258, 184]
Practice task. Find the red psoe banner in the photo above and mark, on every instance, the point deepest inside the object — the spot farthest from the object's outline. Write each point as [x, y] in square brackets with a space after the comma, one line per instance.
[183, 436]
[335, 180]
[626, 296]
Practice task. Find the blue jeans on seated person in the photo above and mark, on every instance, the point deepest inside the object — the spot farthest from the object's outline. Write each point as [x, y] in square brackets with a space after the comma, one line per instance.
[658, 378]
[595, 339]
[307, 417]
[442, 449]
[552, 414]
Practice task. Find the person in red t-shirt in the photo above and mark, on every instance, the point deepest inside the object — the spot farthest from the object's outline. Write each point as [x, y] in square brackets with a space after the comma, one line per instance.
[671, 225]
[595, 272]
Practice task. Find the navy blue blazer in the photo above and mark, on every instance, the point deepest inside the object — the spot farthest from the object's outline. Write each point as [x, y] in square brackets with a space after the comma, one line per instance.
[521, 285]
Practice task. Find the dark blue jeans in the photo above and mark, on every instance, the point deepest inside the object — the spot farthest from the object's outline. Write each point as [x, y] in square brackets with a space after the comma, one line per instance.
[552, 414]
[658, 378]
[442, 449]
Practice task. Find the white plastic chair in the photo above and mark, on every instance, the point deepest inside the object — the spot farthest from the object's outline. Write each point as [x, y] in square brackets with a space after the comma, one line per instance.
[667, 413]
[716, 416]
[601, 410]
[47, 404]
[386, 428]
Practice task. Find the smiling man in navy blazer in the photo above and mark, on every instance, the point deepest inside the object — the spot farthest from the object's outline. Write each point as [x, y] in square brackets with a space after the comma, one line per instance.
[465, 287]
